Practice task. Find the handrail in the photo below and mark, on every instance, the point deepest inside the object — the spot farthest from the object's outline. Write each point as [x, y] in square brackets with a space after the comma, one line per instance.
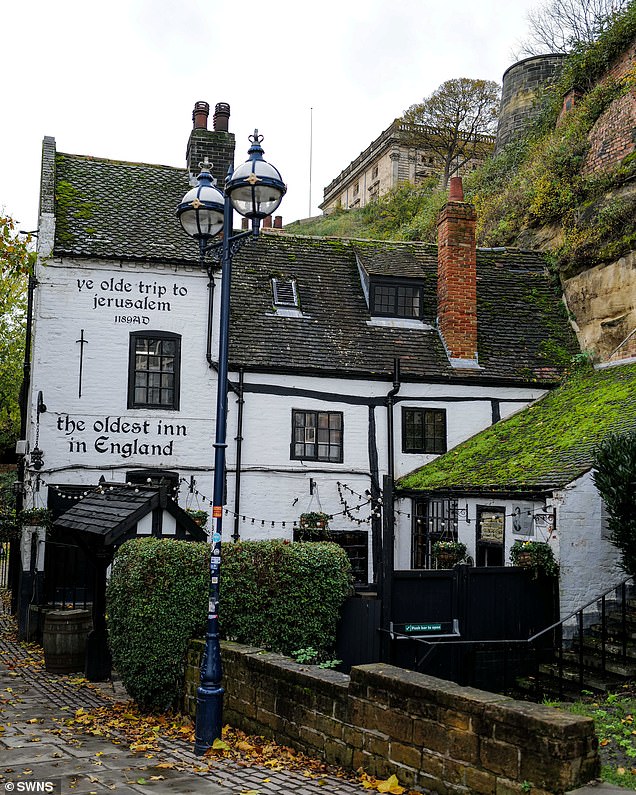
[580, 609]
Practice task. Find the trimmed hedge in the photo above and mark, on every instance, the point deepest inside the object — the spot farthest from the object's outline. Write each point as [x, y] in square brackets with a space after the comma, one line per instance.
[156, 602]
[274, 594]
[283, 596]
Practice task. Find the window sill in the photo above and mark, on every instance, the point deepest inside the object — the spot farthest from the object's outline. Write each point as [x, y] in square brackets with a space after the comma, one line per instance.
[286, 311]
[399, 322]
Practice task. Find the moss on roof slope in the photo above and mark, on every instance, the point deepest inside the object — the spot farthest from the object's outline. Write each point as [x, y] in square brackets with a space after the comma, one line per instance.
[546, 445]
[113, 209]
[523, 332]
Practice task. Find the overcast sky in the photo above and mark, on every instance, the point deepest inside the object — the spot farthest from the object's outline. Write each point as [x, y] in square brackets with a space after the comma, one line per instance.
[119, 79]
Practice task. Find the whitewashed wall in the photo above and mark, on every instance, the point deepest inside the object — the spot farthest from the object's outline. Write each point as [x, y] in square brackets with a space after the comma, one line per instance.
[97, 431]
[589, 563]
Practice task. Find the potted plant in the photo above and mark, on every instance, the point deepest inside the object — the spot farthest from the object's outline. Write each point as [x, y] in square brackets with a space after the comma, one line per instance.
[35, 517]
[312, 526]
[200, 517]
[537, 555]
[448, 553]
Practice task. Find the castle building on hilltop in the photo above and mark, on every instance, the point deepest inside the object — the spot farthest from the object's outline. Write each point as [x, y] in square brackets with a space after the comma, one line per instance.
[520, 87]
[392, 160]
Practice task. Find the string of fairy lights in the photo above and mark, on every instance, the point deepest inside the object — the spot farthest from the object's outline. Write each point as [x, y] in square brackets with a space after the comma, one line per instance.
[349, 510]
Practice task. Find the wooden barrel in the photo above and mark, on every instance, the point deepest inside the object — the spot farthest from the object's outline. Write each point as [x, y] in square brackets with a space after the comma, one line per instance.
[64, 640]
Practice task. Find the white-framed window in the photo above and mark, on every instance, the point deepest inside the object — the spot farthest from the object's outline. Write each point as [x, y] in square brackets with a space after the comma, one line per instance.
[153, 370]
[317, 435]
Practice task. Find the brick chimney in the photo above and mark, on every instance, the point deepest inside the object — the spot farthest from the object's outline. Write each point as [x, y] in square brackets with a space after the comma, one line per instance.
[217, 144]
[457, 278]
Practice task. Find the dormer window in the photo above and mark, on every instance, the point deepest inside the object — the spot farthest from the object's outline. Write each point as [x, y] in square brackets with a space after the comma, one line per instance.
[395, 298]
[285, 292]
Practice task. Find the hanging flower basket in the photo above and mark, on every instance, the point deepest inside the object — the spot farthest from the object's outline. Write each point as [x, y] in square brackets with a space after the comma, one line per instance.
[199, 517]
[35, 517]
[536, 555]
[447, 554]
[313, 526]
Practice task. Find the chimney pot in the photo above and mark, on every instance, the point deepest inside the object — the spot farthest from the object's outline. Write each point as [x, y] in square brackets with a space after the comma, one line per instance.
[278, 222]
[221, 116]
[200, 115]
[267, 222]
[244, 223]
[456, 193]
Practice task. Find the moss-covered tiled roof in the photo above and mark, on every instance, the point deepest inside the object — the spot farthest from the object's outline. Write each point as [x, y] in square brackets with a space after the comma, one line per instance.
[545, 446]
[523, 332]
[112, 209]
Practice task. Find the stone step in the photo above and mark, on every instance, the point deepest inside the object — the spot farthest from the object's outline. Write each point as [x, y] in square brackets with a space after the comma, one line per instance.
[614, 631]
[592, 680]
[593, 644]
[593, 661]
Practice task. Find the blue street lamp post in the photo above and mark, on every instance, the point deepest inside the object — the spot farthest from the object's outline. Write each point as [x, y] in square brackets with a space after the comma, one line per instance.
[254, 189]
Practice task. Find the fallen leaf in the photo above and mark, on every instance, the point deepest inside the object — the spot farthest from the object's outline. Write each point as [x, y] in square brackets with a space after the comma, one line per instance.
[220, 745]
[165, 765]
[391, 785]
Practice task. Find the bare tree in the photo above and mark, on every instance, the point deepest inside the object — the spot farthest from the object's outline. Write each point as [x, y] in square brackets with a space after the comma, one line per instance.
[455, 122]
[559, 25]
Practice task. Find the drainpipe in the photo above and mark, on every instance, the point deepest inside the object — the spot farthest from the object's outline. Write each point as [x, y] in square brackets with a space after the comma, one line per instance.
[389, 406]
[208, 348]
[388, 540]
[26, 385]
[239, 448]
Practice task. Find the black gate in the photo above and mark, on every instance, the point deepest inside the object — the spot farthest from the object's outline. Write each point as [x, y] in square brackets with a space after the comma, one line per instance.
[69, 575]
[467, 624]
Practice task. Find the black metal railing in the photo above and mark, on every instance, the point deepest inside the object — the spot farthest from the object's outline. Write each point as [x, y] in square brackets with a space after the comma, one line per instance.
[592, 621]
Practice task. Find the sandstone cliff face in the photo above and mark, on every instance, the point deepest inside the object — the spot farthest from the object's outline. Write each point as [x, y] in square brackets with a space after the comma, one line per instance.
[603, 303]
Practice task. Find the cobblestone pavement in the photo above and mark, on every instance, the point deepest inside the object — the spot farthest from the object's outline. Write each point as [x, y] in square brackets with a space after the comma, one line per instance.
[36, 746]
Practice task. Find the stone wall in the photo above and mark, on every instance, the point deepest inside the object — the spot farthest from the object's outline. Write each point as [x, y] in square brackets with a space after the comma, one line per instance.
[434, 735]
[613, 136]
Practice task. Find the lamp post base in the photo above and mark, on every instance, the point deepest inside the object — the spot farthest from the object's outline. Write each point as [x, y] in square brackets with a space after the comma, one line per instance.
[209, 718]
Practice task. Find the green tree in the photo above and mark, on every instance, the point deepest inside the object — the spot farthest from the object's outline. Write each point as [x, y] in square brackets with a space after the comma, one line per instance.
[17, 261]
[563, 25]
[615, 476]
[453, 121]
